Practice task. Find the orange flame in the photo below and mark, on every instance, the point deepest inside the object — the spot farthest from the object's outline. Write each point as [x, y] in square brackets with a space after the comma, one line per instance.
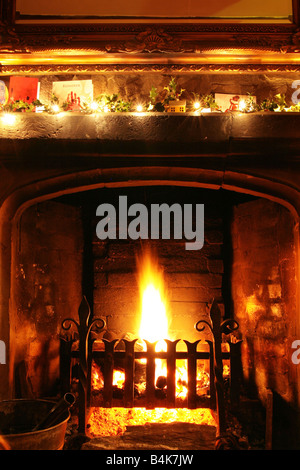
[154, 325]
[154, 328]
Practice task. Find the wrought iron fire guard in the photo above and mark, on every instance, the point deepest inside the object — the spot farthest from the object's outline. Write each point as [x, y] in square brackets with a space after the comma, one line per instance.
[87, 331]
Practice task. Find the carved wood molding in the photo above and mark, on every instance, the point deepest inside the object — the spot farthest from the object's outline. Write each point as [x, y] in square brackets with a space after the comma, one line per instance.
[150, 40]
[143, 38]
[172, 39]
[140, 68]
[295, 46]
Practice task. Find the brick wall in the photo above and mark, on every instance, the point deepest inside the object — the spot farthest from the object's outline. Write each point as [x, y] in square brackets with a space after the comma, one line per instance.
[136, 87]
[264, 294]
[47, 290]
[192, 278]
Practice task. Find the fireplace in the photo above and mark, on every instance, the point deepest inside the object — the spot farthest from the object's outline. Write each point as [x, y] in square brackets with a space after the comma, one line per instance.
[153, 290]
[248, 264]
[116, 274]
[224, 270]
[195, 322]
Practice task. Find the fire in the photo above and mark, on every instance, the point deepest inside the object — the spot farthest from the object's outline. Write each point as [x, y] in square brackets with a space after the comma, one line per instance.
[96, 378]
[114, 421]
[154, 325]
[153, 328]
[98, 382]
[118, 378]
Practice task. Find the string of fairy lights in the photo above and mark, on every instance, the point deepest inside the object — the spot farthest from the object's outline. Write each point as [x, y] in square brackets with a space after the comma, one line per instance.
[171, 101]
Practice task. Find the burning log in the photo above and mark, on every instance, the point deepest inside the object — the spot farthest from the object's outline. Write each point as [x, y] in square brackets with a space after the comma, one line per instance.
[161, 382]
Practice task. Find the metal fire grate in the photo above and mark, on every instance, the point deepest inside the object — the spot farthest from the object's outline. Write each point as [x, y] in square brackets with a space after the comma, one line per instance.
[86, 333]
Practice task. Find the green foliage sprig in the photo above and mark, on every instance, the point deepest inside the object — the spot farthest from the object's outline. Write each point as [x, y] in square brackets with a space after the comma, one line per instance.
[208, 101]
[20, 106]
[250, 104]
[294, 108]
[113, 103]
[155, 105]
[277, 103]
[158, 102]
[173, 93]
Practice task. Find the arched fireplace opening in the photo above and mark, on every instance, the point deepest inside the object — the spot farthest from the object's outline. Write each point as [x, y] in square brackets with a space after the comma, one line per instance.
[247, 263]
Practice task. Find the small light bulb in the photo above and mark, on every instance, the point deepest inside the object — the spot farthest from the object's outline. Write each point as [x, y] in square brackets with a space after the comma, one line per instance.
[196, 105]
[55, 108]
[94, 106]
[242, 105]
[8, 119]
[139, 108]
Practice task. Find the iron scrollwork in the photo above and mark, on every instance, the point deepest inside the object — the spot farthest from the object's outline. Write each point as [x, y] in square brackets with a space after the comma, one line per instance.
[224, 439]
[84, 327]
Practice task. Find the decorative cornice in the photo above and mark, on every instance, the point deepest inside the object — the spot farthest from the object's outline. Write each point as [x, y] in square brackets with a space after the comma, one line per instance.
[150, 40]
[139, 68]
[10, 41]
[261, 42]
[138, 27]
[295, 46]
[145, 38]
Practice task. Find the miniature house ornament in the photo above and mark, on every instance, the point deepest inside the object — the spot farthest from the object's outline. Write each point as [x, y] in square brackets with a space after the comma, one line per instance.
[177, 106]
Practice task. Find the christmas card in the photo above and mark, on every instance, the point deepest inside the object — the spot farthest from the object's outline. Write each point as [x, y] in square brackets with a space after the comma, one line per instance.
[233, 102]
[23, 89]
[72, 94]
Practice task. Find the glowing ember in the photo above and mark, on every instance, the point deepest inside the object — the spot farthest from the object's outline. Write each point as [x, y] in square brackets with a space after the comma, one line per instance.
[113, 421]
[96, 377]
[118, 378]
[98, 381]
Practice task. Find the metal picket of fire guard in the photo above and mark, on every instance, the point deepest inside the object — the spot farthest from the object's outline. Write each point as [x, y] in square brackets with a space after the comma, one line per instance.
[84, 355]
[84, 328]
[224, 439]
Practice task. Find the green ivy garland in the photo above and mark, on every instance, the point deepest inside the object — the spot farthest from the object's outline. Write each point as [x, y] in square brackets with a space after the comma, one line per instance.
[158, 102]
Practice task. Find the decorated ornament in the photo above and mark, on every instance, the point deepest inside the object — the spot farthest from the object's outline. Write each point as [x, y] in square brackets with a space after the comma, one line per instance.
[3, 93]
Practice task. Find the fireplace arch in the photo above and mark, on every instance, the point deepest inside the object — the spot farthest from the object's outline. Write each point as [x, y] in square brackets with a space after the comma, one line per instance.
[48, 189]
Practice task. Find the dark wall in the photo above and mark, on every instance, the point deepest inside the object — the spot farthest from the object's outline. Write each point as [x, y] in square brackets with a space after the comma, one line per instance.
[48, 290]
